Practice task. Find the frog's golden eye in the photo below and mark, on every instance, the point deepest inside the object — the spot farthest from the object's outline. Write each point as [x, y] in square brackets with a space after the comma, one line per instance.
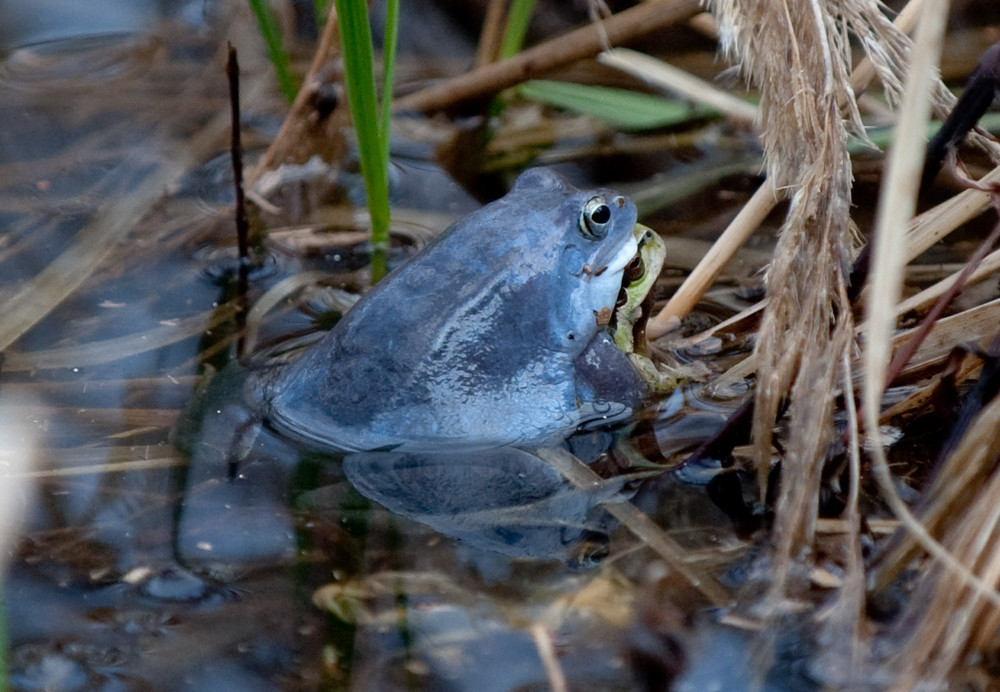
[596, 218]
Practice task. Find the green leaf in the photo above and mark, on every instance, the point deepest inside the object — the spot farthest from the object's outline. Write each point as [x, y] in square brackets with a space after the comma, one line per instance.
[518, 20]
[359, 76]
[271, 33]
[621, 108]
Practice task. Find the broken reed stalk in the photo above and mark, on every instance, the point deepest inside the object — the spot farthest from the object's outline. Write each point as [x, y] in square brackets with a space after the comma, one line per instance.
[299, 129]
[903, 354]
[989, 266]
[976, 324]
[585, 42]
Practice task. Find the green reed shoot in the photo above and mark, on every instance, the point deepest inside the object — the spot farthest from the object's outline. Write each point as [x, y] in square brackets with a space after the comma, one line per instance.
[271, 33]
[320, 7]
[517, 28]
[371, 119]
[621, 108]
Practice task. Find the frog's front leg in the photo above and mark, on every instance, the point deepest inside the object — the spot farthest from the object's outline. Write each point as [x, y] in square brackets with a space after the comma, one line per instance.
[661, 379]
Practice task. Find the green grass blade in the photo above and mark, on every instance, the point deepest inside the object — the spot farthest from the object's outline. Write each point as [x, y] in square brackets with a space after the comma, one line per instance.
[388, 72]
[356, 45]
[620, 108]
[517, 28]
[320, 7]
[269, 30]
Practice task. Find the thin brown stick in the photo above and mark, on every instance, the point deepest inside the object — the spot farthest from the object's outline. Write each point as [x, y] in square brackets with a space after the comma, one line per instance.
[582, 43]
[712, 264]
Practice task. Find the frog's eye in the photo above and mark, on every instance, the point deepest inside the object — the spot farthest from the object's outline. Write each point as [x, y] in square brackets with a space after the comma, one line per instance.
[596, 218]
[634, 270]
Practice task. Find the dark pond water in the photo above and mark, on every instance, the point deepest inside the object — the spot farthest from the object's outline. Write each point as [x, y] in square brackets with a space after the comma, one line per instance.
[146, 559]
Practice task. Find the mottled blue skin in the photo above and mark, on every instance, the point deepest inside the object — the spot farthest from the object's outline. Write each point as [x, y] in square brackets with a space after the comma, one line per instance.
[489, 336]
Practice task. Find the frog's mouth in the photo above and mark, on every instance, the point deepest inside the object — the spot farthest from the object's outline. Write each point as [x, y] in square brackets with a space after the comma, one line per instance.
[634, 271]
[616, 265]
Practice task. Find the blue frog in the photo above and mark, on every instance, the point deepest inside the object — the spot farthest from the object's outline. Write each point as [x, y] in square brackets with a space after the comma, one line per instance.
[494, 334]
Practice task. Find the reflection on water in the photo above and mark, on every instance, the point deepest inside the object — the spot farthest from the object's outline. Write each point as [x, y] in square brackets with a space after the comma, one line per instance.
[503, 500]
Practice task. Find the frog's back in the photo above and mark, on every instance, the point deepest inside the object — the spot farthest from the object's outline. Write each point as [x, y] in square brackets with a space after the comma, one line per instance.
[456, 345]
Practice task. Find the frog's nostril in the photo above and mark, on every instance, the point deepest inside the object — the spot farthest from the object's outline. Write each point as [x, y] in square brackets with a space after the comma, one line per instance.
[619, 202]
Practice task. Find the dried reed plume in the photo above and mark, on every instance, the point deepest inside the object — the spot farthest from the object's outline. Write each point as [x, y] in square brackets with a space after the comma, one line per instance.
[797, 53]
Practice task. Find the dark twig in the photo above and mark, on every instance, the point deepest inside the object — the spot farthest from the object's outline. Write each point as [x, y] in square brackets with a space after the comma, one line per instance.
[979, 93]
[979, 395]
[906, 351]
[242, 224]
[975, 99]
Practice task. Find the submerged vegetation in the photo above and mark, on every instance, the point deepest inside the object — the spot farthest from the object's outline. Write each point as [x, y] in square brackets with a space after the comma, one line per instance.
[817, 508]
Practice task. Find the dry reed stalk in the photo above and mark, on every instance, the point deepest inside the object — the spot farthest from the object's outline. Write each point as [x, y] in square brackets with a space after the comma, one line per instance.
[989, 266]
[722, 251]
[959, 558]
[550, 660]
[492, 33]
[585, 42]
[977, 325]
[896, 206]
[665, 76]
[948, 618]
[796, 51]
[890, 56]
[305, 132]
[639, 523]
[935, 224]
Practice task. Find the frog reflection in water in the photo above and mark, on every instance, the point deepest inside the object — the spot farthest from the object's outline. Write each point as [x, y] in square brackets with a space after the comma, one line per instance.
[494, 334]
[499, 335]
